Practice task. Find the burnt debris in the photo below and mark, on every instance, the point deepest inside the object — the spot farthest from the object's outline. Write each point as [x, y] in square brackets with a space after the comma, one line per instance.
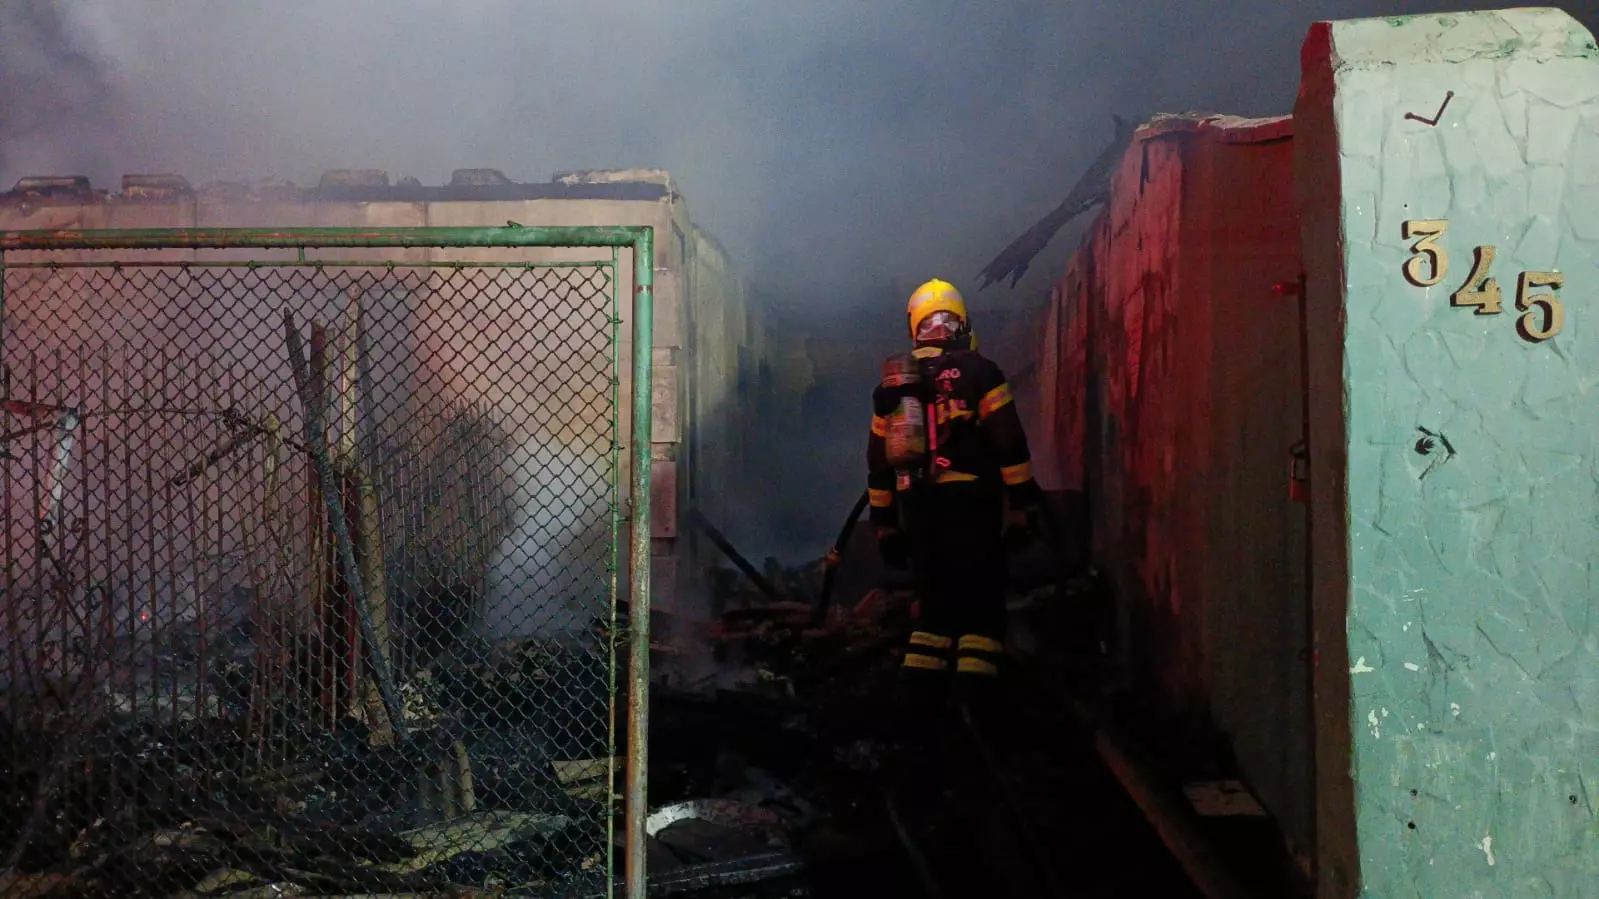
[154, 786]
[801, 780]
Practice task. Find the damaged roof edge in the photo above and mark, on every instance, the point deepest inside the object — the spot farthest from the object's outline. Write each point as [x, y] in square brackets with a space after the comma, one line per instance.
[350, 186]
[1226, 128]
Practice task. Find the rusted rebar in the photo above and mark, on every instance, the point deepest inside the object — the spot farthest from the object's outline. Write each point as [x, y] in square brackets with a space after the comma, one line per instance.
[316, 438]
[367, 536]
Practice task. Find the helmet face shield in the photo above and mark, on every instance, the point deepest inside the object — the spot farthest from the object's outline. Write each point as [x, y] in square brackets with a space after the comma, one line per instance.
[934, 296]
[940, 326]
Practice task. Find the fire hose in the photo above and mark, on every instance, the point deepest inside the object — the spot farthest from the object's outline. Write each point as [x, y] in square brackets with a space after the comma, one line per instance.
[835, 553]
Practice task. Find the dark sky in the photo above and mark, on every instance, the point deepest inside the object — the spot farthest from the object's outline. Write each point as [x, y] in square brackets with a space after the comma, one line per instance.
[833, 145]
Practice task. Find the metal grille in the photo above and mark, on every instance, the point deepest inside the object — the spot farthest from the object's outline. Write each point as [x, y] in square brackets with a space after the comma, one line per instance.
[311, 573]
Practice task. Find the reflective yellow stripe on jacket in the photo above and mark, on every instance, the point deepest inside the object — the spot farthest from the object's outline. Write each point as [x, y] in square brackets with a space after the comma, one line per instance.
[1017, 474]
[993, 401]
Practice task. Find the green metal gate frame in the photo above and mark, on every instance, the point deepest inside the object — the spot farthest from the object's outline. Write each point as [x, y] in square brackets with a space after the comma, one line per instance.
[639, 238]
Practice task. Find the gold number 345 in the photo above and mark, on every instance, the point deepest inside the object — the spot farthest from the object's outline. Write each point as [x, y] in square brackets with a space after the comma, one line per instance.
[1543, 315]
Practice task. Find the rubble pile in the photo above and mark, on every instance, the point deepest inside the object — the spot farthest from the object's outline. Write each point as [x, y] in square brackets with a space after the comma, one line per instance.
[160, 777]
[109, 793]
[809, 762]
[793, 627]
[753, 795]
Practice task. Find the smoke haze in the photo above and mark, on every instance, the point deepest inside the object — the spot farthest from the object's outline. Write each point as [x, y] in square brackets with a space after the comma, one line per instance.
[835, 147]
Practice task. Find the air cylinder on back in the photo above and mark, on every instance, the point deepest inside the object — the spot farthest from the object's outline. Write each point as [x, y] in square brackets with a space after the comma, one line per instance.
[906, 441]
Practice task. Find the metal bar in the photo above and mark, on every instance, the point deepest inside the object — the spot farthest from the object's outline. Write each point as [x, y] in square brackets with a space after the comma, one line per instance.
[5, 375]
[316, 436]
[638, 671]
[103, 489]
[633, 236]
[613, 563]
[35, 483]
[147, 559]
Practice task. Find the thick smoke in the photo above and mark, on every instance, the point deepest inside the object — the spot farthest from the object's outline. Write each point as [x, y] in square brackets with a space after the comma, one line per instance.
[831, 149]
[841, 151]
[56, 97]
[556, 549]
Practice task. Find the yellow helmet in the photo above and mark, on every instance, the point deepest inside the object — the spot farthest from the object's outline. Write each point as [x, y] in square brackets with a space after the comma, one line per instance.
[934, 296]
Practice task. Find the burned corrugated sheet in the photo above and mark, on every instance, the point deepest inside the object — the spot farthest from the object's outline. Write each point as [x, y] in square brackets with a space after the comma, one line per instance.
[1170, 394]
[337, 178]
[478, 178]
[37, 189]
[156, 188]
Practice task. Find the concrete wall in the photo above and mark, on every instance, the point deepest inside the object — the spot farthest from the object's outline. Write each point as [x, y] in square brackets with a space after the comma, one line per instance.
[1169, 391]
[450, 340]
[1458, 685]
[723, 346]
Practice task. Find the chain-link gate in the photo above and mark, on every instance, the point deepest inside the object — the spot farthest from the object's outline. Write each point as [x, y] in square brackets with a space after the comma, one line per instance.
[312, 562]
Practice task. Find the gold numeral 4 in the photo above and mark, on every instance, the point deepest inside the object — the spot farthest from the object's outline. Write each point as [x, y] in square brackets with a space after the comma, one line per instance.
[1553, 311]
[1427, 233]
[1480, 290]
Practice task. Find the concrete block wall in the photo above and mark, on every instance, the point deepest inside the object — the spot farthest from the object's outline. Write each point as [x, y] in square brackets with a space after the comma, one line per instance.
[702, 421]
[721, 328]
[1455, 451]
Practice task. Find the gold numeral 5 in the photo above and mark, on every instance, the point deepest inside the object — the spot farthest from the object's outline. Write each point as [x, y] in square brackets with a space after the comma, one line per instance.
[1480, 289]
[1427, 232]
[1554, 312]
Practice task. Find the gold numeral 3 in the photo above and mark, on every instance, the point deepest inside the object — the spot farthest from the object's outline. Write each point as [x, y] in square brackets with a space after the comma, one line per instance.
[1427, 232]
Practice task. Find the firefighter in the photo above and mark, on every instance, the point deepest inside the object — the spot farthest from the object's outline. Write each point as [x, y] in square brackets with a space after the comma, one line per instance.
[952, 491]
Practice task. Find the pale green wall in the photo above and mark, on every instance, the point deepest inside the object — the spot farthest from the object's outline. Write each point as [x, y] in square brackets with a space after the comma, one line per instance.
[1468, 689]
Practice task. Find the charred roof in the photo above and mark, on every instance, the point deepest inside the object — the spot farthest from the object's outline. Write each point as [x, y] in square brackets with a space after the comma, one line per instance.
[348, 186]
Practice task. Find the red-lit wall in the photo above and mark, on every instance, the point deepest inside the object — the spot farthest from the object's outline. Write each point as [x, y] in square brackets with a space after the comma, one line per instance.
[1169, 373]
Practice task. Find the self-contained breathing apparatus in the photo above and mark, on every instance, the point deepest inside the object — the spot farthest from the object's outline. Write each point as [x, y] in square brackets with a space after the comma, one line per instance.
[912, 439]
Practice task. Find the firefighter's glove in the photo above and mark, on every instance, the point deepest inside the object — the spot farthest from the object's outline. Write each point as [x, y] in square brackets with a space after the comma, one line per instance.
[1021, 528]
[895, 549]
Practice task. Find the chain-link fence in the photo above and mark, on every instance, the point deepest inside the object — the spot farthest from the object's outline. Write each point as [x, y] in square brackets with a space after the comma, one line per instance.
[311, 572]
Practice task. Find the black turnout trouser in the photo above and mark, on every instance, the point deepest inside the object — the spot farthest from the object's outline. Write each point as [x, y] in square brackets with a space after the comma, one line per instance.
[958, 562]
